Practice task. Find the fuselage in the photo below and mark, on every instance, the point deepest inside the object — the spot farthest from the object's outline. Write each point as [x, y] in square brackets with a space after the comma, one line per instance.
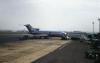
[37, 32]
[50, 33]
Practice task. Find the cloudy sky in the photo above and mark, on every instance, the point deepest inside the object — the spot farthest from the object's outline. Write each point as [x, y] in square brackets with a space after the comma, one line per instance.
[63, 15]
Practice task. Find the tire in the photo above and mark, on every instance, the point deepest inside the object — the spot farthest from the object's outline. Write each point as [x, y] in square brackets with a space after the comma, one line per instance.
[97, 59]
[86, 55]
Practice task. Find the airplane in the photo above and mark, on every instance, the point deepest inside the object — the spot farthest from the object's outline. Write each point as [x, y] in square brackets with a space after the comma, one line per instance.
[45, 34]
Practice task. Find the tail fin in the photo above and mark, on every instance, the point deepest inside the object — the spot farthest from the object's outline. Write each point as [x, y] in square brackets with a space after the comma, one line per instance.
[29, 27]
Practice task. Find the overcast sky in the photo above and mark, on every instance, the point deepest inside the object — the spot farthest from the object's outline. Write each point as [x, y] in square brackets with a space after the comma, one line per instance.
[62, 15]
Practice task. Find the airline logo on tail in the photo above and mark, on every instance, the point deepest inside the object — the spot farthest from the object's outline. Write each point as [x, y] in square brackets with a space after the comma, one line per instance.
[31, 29]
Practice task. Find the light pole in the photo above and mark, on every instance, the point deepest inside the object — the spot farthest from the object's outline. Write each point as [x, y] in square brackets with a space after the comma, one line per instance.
[99, 24]
[93, 30]
[93, 27]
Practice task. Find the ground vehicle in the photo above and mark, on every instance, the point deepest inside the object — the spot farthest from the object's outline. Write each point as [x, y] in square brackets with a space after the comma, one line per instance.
[94, 50]
[45, 34]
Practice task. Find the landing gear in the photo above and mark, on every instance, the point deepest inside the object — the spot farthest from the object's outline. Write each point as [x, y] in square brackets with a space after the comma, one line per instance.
[45, 37]
[25, 37]
[63, 38]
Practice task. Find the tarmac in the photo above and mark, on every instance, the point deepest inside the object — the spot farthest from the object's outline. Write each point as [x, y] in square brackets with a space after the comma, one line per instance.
[44, 51]
[69, 53]
[29, 50]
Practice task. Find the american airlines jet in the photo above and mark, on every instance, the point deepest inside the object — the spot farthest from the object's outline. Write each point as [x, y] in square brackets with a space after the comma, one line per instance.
[45, 34]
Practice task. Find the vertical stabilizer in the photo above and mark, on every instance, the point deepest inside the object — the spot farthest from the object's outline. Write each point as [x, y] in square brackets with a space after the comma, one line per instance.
[29, 27]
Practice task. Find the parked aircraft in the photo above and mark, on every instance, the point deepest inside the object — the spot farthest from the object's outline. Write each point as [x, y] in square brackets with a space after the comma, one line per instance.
[45, 34]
